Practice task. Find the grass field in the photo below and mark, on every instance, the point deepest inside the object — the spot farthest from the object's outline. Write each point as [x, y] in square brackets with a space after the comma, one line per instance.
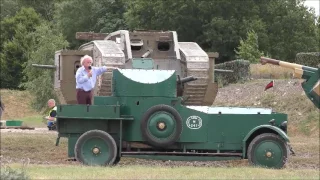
[18, 107]
[17, 104]
[147, 172]
[269, 71]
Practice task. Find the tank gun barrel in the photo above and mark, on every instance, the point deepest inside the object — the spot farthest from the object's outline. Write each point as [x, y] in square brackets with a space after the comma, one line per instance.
[222, 70]
[90, 36]
[44, 66]
[311, 85]
[186, 79]
[298, 68]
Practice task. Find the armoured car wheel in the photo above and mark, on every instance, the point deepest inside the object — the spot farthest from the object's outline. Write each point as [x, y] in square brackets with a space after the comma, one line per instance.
[161, 126]
[268, 150]
[96, 147]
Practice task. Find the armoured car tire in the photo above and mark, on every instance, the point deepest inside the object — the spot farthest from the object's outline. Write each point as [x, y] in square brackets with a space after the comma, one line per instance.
[157, 142]
[91, 148]
[117, 159]
[268, 150]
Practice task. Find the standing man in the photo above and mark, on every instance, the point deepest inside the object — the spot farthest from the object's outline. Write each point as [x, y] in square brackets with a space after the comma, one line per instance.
[86, 77]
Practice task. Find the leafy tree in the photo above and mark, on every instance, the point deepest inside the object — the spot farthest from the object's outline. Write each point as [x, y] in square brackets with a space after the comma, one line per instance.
[318, 32]
[15, 45]
[92, 15]
[178, 15]
[44, 7]
[9, 8]
[46, 40]
[249, 49]
[290, 27]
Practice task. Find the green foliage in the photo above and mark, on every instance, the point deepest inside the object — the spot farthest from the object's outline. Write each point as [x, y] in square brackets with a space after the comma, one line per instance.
[9, 8]
[249, 49]
[308, 59]
[44, 7]
[177, 15]
[46, 40]
[240, 68]
[286, 38]
[8, 173]
[15, 46]
[92, 15]
[318, 32]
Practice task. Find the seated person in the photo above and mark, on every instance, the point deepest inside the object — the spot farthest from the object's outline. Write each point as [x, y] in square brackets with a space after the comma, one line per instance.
[51, 118]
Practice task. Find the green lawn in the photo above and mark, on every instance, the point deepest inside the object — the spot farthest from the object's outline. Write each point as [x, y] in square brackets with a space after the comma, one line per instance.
[159, 172]
[33, 121]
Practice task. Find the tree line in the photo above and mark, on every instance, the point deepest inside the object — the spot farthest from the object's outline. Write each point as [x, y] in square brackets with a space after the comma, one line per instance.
[31, 31]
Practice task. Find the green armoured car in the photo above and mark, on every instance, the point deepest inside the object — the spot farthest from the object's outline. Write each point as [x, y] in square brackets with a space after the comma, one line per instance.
[144, 118]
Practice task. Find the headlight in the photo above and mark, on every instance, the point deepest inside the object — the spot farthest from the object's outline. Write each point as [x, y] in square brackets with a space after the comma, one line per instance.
[283, 126]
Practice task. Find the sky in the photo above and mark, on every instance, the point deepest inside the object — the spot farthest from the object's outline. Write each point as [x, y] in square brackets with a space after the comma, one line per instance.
[313, 3]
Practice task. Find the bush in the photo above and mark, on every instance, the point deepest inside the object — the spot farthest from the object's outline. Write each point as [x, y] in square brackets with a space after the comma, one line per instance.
[240, 68]
[308, 59]
[10, 174]
[249, 49]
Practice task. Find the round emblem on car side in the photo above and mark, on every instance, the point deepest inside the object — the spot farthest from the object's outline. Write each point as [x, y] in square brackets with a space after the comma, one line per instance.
[194, 122]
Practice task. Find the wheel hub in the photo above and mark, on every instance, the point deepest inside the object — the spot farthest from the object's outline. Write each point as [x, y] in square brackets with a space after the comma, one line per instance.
[161, 125]
[96, 150]
[268, 154]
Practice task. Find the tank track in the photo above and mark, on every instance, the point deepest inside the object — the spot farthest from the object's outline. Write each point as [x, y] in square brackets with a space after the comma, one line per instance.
[194, 92]
[197, 65]
[112, 56]
[105, 89]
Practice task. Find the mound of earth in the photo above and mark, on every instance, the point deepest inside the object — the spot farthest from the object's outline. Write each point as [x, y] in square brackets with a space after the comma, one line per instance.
[250, 93]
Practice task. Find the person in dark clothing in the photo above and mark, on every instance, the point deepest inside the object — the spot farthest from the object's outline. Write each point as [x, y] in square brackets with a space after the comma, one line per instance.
[1, 108]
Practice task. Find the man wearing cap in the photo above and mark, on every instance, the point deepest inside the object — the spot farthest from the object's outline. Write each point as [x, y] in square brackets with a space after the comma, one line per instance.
[86, 77]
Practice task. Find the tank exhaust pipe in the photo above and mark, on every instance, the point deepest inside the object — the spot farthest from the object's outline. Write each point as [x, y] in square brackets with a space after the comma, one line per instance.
[147, 53]
[44, 66]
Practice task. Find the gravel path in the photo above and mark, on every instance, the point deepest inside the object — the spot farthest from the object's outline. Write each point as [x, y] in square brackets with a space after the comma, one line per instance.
[32, 131]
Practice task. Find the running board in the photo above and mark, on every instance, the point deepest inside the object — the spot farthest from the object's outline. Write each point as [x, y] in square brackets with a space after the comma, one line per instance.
[179, 153]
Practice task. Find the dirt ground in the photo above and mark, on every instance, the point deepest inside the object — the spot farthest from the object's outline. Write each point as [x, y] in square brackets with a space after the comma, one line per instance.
[250, 93]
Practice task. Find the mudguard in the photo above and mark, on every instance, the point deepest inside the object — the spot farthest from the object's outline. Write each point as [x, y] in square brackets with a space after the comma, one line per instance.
[274, 128]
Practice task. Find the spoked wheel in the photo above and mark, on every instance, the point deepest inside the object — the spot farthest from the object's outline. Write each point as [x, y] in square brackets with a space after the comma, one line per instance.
[268, 150]
[96, 147]
[161, 126]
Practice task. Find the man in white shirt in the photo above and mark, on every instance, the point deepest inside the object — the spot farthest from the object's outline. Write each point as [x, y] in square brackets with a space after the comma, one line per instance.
[86, 77]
